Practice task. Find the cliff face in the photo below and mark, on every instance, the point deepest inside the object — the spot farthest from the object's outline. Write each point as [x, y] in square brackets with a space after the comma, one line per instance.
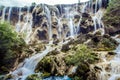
[45, 22]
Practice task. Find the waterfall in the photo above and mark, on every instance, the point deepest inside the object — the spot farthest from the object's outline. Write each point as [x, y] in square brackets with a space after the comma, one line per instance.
[95, 24]
[115, 65]
[78, 26]
[59, 28]
[96, 6]
[3, 13]
[69, 17]
[84, 7]
[71, 26]
[29, 65]
[19, 20]
[9, 14]
[49, 20]
[27, 27]
[97, 17]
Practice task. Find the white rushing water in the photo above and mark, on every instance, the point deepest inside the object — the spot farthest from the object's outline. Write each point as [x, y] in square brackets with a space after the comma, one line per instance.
[18, 25]
[9, 14]
[3, 13]
[115, 66]
[29, 65]
[27, 27]
[69, 17]
[97, 17]
[49, 22]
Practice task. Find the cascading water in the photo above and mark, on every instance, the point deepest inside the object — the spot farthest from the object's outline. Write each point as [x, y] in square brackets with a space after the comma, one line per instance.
[59, 28]
[71, 26]
[114, 66]
[27, 27]
[19, 20]
[9, 14]
[95, 24]
[49, 20]
[29, 65]
[82, 11]
[98, 24]
[69, 17]
[3, 13]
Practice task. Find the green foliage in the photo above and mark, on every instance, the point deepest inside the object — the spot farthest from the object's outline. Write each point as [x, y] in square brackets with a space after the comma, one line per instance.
[106, 44]
[10, 44]
[34, 77]
[33, 4]
[76, 78]
[82, 54]
[112, 15]
[44, 65]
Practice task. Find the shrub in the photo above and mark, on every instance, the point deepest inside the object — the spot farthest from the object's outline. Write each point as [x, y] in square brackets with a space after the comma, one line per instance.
[10, 45]
[112, 14]
[82, 54]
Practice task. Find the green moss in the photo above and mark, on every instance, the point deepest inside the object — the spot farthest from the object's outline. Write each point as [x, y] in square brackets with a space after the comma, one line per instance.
[106, 44]
[44, 65]
[45, 74]
[10, 45]
[82, 54]
[76, 78]
[112, 14]
[34, 77]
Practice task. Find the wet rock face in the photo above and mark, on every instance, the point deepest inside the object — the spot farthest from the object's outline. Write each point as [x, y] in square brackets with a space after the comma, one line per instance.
[45, 20]
[42, 35]
[112, 30]
[102, 43]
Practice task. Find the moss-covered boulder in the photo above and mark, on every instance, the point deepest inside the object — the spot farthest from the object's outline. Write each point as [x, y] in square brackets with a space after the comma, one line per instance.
[103, 43]
[34, 77]
[112, 18]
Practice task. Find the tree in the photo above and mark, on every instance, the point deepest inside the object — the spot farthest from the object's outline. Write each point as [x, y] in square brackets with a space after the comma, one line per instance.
[10, 45]
[112, 16]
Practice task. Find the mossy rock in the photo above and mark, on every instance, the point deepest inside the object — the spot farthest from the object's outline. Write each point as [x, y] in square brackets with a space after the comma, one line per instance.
[103, 43]
[81, 53]
[45, 74]
[118, 79]
[54, 52]
[111, 53]
[44, 65]
[76, 78]
[81, 72]
[4, 69]
[7, 77]
[82, 69]
[34, 77]
[65, 48]
[2, 77]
